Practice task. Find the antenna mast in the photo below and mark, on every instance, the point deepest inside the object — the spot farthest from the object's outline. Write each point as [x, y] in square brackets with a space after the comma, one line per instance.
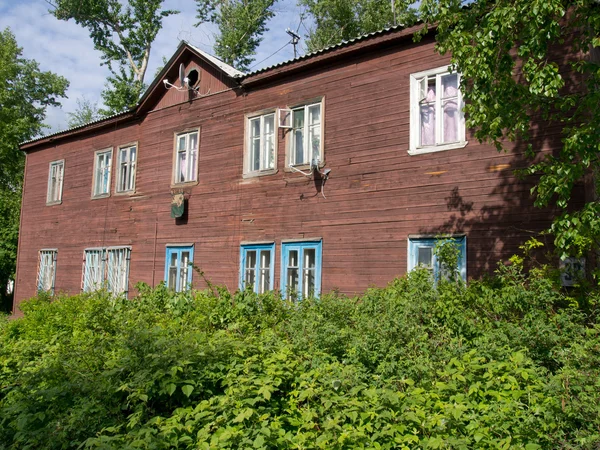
[394, 11]
[295, 39]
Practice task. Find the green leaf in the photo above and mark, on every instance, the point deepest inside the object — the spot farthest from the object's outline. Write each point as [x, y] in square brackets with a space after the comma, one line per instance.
[187, 390]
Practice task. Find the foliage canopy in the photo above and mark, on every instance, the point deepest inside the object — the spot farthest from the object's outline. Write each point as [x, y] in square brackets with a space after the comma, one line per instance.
[507, 363]
[123, 32]
[241, 24]
[529, 67]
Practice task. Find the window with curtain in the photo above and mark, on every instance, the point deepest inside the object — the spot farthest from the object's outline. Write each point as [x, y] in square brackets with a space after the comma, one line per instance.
[437, 120]
[186, 157]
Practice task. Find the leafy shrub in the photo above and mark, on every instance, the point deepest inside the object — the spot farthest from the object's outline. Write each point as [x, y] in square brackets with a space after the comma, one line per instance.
[511, 362]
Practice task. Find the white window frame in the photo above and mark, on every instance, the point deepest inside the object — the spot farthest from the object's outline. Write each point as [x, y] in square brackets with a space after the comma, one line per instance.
[46, 274]
[131, 165]
[54, 193]
[113, 277]
[188, 152]
[291, 142]
[96, 175]
[417, 80]
[263, 166]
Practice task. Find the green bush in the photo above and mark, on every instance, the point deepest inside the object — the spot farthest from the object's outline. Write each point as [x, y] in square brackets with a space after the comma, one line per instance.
[510, 362]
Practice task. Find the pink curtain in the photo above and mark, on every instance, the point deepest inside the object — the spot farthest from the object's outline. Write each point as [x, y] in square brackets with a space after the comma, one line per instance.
[450, 107]
[428, 118]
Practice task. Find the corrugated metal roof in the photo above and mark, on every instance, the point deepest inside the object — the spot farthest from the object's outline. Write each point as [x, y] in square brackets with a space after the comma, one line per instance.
[68, 130]
[229, 70]
[327, 49]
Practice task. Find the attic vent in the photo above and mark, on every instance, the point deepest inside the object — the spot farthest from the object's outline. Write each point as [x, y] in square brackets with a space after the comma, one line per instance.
[192, 77]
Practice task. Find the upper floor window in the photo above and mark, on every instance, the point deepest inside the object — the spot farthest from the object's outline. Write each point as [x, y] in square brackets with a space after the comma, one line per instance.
[421, 253]
[55, 182]
[127, 163]
[106, 268]
[178, 267]
[306, 141]
[436, 120]
[102, 168]
[260, 144]
[256, 269]
[301, 269]
[186, 157]
[46, 270]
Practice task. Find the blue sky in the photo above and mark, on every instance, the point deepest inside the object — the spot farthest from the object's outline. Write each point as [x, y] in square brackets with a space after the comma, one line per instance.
[66, 48]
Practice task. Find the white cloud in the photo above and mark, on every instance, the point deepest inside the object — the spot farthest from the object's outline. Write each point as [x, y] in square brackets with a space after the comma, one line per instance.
[66, 48]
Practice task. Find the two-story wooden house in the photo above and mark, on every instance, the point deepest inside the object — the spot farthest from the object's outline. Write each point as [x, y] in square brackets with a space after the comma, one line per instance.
[337, 170]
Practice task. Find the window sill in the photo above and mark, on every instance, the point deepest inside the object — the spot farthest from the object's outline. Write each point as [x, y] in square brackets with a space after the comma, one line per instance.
[125, 193]
[303, 167]
[99, 196]
[437, 148]
[58, 202]
[184, 184]
[261, 173]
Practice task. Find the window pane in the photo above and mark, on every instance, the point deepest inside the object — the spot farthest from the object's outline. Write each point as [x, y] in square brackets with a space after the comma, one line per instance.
[182, 164]
[192, 175]
[265, 271]
[255, 128]
[181, 143]
[309, 272]
[449, 86]
[172, 281]
[183, 271]
[269, 139]
[315, 141]
[451, 121]
[132, 160]
[425, 256]
[298, 136]
[292, 272]
[193, 141]
[250, 275]
[427, 117]
[255, 154]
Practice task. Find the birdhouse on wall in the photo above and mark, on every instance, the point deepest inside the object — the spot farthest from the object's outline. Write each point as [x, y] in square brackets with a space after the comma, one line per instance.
[177, 206]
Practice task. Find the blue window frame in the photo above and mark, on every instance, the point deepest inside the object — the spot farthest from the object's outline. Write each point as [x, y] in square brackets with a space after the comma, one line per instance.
[257, 267]
[301, 269]
[178, 267]
[421, 253]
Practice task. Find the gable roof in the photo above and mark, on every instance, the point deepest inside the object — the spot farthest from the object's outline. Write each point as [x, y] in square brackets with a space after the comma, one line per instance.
[236, 76]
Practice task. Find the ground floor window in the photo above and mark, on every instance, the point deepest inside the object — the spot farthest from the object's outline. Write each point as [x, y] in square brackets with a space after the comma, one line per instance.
[421, 253]
[106, 268]
[46, 270]
[178, 267]
[301, 269]
[256, 268]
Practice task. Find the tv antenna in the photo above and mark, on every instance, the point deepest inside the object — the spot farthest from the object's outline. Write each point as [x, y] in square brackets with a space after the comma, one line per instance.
[295, 39]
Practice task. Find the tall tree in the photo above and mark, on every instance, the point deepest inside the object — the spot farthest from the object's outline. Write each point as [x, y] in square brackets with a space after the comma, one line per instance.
[25, 93]
[338, 20]
[241, 25]
[123, 31]
[514, 56]
[86, 112]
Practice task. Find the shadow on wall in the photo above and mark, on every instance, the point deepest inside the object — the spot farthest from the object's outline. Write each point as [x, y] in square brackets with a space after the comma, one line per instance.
[496, 227]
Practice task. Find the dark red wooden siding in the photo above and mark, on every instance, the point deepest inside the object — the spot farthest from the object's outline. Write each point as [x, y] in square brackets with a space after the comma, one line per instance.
[377, 194]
